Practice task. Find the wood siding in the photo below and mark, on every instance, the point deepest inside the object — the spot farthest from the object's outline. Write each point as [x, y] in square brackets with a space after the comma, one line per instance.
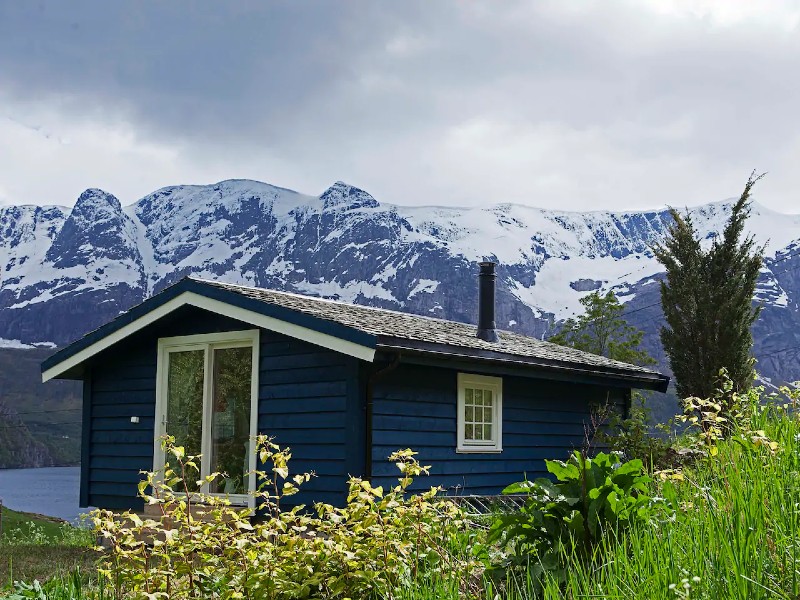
[415, 407]
[308, 400]
[305, 393]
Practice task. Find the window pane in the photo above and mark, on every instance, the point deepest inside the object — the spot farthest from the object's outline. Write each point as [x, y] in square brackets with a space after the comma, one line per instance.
[230, 414]
[487, 432]
[468, 431]
[469, 414]
[478, 432]
[478, 397]
[487, 397]
[185, 405]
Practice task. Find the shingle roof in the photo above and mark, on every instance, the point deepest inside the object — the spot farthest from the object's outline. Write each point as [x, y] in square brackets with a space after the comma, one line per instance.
[393, 327]
[360, 331]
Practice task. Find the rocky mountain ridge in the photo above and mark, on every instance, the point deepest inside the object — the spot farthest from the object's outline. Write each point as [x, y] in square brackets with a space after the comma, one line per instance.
[66, 271]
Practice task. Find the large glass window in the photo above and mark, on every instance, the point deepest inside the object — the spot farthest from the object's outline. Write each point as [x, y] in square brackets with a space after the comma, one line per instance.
[230, 418]
[184, 410]
[207, 401]
[480, 413]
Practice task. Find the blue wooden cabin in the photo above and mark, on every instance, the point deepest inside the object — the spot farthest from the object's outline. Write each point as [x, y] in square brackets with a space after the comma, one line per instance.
[342, 385]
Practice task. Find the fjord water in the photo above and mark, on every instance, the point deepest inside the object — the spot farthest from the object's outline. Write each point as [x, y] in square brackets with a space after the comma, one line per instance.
[51, 491]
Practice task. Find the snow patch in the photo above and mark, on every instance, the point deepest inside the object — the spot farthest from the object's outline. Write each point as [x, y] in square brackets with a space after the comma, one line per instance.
[424, 285]
[552, 291]
[349, 292]
[18, 345]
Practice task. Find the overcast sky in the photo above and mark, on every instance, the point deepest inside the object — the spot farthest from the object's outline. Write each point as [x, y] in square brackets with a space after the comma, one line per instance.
[578, 105]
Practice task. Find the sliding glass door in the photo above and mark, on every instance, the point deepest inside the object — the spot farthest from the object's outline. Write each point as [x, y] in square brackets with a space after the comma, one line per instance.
[208, 403]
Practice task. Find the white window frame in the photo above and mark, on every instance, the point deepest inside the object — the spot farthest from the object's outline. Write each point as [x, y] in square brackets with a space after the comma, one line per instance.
[484, 382]
[207, 342]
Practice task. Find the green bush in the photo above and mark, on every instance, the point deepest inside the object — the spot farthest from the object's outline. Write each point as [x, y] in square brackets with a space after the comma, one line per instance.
[591, 498]
[736, 530]
[730, 414]
[633, 437]
[380, 541]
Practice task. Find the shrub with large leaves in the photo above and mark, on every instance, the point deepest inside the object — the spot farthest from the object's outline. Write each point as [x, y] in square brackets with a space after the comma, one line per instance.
[591, 497]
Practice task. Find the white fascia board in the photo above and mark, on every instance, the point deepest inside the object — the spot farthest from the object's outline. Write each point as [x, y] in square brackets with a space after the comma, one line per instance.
[222, 308]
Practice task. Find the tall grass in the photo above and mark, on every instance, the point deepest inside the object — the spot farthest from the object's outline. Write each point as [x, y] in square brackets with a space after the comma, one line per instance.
[735, 536]
[34, 547]
[72, 586]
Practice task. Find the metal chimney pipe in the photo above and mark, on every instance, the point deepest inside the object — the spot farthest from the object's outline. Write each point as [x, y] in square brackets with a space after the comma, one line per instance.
[487, 329]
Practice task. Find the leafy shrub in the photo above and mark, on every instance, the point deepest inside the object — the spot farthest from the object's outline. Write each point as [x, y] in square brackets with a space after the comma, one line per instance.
[592, 498]
[632, 437]
[730, 414]
[379, 541]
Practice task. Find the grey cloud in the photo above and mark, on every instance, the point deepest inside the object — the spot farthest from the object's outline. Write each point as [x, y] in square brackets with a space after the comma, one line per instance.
[368, 90]
[176, 66]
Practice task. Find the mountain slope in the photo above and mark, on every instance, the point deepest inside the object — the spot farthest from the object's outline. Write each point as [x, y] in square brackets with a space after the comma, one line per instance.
[67, 272]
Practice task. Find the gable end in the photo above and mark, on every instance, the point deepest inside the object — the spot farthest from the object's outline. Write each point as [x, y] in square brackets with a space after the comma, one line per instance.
[332, 336]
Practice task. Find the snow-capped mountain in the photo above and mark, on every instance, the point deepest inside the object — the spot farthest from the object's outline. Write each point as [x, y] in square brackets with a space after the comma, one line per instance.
[66, 271]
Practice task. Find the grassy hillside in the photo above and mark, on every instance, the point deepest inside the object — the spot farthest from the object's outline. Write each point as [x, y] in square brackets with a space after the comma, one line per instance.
[38, 547]
[735, 534]
[39, 423]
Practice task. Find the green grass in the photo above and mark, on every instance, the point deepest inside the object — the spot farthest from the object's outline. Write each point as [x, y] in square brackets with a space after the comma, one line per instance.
[736, 535]
[16, 525]
[38, 547]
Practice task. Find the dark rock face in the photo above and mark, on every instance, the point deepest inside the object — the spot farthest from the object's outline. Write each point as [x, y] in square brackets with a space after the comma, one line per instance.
[67, 316]
[64, 273]
[586, 285]
[40, 424]
[96, 229]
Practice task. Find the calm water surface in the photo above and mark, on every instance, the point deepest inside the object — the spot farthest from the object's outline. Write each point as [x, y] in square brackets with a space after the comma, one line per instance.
[52, 491]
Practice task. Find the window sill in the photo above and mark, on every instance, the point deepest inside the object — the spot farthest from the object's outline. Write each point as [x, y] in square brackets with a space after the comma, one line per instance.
[478, 450]
[237, 501]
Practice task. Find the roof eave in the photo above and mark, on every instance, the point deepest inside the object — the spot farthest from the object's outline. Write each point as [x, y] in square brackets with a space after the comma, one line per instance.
[635, 379]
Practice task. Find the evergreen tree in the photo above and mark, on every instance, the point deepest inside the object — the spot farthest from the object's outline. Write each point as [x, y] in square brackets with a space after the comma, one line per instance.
[707, 299]
[602, 330]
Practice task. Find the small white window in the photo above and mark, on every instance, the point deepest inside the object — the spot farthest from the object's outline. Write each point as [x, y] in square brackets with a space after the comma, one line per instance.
[480, 413]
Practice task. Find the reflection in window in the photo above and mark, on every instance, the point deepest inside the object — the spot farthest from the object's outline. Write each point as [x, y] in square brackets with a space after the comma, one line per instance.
[185, 404]
[230, 419]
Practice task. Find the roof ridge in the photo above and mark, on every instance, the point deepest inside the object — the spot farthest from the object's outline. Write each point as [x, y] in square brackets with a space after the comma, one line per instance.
[343, 303]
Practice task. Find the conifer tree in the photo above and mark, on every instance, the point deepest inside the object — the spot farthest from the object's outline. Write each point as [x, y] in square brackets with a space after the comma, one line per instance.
[707, 299]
